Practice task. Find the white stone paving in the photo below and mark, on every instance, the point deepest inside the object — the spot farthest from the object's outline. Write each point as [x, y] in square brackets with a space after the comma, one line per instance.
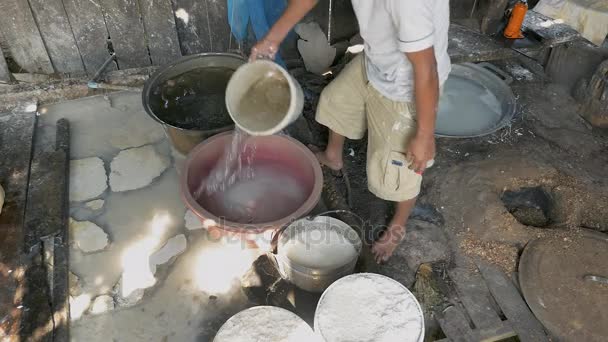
[88, 179]
[87, 236]
[137, 167]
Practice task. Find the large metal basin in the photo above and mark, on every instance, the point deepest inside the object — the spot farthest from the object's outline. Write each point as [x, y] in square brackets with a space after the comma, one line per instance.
[295, 158]
[484, 76]
[183, 139]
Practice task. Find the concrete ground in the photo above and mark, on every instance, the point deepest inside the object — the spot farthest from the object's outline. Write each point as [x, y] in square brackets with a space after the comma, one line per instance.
[126, 210]
[124, 186]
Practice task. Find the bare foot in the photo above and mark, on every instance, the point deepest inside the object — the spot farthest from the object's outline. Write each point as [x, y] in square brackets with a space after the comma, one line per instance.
[384, 248]
[334, 163]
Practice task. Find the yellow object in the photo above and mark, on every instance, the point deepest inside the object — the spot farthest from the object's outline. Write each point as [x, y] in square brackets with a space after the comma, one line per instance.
[349, 106]
[518, 14]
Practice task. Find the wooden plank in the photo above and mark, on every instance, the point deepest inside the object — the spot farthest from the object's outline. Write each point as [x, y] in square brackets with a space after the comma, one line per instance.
[161, 33]
[5, 75]
[193, 27]
[514, 307]
[466, 45]
[123, 21]
[57, 34]
[475, 296]
[15, 152]
[218, 19]
[23, 37]
[455, 325]
[90, 32]
[499, 332]
[551, 35]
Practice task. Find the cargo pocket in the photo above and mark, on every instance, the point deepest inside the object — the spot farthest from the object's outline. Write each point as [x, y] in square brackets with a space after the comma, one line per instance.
[396, 167]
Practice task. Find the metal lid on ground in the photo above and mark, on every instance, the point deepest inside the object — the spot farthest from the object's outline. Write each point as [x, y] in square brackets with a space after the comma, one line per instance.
[565, 282]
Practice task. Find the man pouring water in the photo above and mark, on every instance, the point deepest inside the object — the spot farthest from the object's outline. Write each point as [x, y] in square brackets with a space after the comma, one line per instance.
[391, 91]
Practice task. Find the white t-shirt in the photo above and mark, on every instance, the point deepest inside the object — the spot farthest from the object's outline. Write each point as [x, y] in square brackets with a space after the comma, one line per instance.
[392, 27]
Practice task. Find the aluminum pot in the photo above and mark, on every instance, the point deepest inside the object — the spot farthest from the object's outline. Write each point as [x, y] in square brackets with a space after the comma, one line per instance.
[183, 139]
[315, 279]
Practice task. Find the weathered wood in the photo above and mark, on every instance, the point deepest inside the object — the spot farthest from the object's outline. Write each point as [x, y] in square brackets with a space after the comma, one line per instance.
[5, 75]
[466, 45]
[15, 152]
[57, 34]
[514, 307]
[455, 325]
[218, 20]
[90, 32]
[549, 35]
[23, 37]
[499, 332]
[475, 296]
[126, 30]
[494, 14]
[161, 33]
[193, 26]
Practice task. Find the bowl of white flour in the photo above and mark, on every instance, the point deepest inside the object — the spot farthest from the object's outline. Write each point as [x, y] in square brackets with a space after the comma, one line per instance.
[265, 324]
[313, 253]
[369, 307]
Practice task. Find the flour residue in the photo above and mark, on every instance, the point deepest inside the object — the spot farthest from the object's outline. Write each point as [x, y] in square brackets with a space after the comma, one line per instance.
[317, 247]
[369, 307]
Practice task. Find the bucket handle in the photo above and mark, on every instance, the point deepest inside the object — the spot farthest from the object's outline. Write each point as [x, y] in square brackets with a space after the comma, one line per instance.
[275, 236]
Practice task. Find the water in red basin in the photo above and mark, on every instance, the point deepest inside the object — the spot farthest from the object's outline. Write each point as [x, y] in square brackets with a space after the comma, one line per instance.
[281, 181]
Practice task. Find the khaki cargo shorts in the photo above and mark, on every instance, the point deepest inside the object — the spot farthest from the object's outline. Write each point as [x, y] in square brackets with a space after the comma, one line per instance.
[350, 106]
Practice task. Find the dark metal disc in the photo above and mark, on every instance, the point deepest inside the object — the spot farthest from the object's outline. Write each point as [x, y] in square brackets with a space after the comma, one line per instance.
[565, 282]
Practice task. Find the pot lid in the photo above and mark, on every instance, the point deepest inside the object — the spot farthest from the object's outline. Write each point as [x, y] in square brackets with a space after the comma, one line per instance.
[565, 282]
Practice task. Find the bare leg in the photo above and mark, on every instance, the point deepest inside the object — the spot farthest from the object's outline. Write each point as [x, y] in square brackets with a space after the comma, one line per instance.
[385, 246]
[332, 156]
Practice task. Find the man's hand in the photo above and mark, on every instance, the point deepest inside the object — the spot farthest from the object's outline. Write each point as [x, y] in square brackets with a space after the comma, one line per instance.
[295, 11]
[264, 49]
[420, 151]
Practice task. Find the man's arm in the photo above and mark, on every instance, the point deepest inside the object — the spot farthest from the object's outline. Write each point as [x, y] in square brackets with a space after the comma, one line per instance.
[295, 11]
[426, 95]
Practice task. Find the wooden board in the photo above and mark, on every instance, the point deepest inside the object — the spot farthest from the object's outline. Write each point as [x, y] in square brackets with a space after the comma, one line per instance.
[193, 29]
[15, 152]
[512, 304]
[23, 38]
[5, 75]
[126, 33]
[455, 325]
[90, 32]
[466, 45]
[57, 34]
[218, 20]
[475, 296]
[161, 33]
[552, 35]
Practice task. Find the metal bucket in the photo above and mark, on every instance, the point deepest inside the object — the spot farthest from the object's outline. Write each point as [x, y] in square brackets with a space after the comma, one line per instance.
[298, 160]
[316, 279]
[184, 139]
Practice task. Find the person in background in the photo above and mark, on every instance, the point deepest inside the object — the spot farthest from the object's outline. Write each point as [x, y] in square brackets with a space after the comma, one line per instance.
[391, 91]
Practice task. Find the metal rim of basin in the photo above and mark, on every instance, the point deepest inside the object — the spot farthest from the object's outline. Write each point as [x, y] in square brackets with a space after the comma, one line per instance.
[179, 67]
[493, 83]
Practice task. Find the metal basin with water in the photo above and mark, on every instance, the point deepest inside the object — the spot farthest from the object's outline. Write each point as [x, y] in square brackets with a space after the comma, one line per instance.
[476, 101]
[187, 97]
[296, 162]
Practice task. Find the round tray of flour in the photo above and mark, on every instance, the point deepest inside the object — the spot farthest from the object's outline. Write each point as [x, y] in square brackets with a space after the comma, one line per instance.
[265, 324]
[369, 307]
